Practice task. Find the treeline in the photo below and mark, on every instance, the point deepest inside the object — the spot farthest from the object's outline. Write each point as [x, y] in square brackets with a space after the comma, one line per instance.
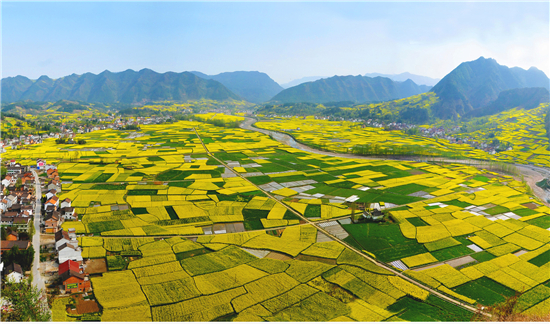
[15, 116]
[377, 150]
[67, 141]
[140, 112]
[547, 122]
[66, 106]
[26, 105]
[218, 122]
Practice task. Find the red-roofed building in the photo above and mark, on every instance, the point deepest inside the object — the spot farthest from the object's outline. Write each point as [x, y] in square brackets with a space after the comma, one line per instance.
[69, 265]
[73, 280]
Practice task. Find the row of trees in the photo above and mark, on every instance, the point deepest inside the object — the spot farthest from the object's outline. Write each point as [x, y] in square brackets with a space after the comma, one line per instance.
[65, 141]
[376, 150]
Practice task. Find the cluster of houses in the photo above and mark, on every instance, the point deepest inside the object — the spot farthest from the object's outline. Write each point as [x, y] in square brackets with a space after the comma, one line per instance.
[56, 211]
[16, 210]
[71, 270]
[16, 200]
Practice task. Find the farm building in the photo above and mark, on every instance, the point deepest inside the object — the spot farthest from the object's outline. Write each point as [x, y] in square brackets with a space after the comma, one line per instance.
[75, 282]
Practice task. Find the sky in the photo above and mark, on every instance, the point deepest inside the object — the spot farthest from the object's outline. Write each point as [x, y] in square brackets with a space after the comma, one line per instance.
[286, 40]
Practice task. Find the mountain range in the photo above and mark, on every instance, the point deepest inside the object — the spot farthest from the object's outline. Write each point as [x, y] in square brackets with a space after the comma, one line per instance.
[474, 88]
[254, 86]
[475, 84]
[349, 88]
[123, 87]
[419, 80]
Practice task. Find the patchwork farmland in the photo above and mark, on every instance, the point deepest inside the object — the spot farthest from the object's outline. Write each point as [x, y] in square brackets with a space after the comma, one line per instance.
[200, 223]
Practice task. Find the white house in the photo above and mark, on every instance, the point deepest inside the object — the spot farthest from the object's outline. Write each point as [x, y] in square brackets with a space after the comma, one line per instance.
[14, 273]
[12, 199]
[4, 205]
[50, 194]
[69, 252]
[53, 201]
[66, 203]
[68, 213]
[6, 181]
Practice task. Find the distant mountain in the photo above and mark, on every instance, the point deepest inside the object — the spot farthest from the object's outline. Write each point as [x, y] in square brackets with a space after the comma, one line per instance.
[14, 87]
[357, 89]
[475, 84]
[123, 87]
[296, 82]
[254, 86]
[419, 80]
[527, 98]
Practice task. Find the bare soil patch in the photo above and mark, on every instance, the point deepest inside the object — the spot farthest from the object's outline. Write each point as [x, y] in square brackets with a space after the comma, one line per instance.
[95, 266]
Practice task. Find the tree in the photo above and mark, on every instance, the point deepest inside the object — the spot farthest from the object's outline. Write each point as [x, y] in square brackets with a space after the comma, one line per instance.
[18, 184]
[4, 233]
[21, 257]
[27, 304]
[3, 171]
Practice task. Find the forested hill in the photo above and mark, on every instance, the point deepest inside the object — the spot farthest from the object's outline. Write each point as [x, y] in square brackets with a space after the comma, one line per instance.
[475, 84]
[254, 86]
[357, 89]
[527, 98]
[123, 87]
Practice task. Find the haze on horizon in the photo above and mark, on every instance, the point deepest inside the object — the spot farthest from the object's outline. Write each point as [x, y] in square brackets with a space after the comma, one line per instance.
[285, 40]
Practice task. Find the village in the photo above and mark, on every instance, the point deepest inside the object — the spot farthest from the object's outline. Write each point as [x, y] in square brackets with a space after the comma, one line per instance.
[62, 269]
[70, 131]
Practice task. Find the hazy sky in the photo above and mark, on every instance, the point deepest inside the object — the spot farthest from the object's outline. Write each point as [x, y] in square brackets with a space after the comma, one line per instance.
[285, 40]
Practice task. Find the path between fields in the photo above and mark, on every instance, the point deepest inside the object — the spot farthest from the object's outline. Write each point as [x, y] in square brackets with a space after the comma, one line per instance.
[531, 174]
[319, 228]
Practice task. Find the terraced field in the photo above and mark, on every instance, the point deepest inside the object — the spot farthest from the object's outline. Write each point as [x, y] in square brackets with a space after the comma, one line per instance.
[198, 240]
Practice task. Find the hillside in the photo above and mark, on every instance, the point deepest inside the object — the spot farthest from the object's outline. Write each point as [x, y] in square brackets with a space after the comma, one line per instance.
[349, 88]
[14, 87]
[254, 86]
[123, 87]
[527, 98]
[475, 84]
[419, 80]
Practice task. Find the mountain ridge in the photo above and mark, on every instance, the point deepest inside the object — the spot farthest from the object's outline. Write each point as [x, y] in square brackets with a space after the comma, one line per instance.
[128, 86]
[527, 98]
[475, 84]
[254, 86]
[349, 88]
